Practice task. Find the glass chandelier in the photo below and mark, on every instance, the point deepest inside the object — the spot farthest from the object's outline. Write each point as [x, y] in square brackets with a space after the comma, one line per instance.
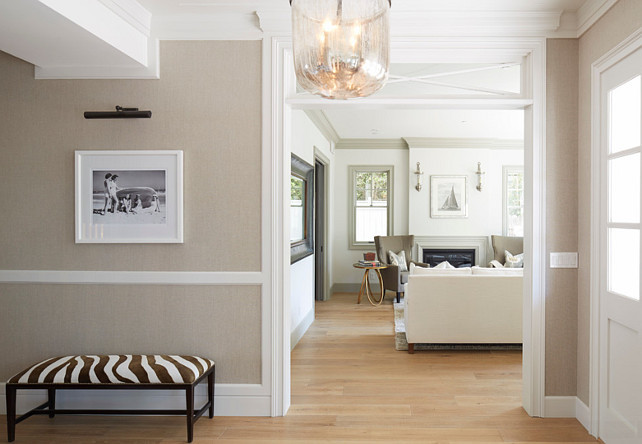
[341, 47]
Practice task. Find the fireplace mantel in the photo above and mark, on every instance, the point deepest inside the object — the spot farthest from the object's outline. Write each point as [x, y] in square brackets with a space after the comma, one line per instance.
[480, 244]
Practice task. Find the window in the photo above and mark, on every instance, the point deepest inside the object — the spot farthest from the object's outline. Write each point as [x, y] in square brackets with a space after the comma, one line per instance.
[513, 201]
[371, 205]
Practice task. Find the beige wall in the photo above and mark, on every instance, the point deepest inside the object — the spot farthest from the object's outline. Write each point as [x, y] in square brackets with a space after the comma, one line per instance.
[208, 108]
[223, 323]
[206, 103]
[620, 21]
[561, 213]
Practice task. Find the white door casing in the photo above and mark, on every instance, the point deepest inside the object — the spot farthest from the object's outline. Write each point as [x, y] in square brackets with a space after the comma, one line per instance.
[616, 318]
[281, 98]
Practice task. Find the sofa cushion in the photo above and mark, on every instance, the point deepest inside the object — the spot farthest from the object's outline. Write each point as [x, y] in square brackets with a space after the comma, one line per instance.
[115, 369]
[416, 269]
[444, 264]
[442, 271]
[479, 271]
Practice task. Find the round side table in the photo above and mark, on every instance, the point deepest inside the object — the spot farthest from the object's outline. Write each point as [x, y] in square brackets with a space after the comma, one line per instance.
[365, 283]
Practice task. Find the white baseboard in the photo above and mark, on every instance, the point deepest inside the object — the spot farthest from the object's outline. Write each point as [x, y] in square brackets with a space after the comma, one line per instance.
[583, 414]
[559, 406]
[300, 329]
[568, 407]
[234, 399]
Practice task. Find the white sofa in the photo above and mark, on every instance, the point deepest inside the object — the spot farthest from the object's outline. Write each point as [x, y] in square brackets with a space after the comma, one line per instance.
[464, 306]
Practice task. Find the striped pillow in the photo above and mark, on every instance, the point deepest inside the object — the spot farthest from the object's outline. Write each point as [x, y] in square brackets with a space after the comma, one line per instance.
[115, 369]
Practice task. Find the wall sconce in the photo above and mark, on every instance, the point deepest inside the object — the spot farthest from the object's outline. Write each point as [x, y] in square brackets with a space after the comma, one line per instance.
[479, 173]
[419, 173]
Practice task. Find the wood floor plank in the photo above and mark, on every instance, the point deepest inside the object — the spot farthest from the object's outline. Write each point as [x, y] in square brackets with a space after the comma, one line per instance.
[349, 384]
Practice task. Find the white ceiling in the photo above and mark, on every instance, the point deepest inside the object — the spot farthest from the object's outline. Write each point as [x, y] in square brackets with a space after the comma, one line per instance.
[442, 124]
[118, 39]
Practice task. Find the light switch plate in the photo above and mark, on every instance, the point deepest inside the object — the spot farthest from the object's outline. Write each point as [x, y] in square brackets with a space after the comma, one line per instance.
[564, 260]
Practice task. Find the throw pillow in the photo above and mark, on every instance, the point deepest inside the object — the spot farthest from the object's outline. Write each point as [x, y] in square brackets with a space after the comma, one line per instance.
[444, 264]
[398, 259]
[416, 269]
[514, 261]
[496, 264]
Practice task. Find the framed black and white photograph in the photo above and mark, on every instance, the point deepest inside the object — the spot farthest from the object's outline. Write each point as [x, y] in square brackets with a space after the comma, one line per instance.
[129, 196]
[448, 197]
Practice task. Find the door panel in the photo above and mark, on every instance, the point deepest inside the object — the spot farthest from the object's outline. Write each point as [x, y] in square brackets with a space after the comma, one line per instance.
[620, 397]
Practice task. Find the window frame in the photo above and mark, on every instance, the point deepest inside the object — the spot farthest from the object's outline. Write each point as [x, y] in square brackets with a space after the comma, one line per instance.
[303, 248]
[353, 170]
[506, 170]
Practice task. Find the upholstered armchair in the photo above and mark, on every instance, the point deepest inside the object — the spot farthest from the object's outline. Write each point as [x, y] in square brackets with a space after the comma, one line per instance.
[502, 243]
[393, 278]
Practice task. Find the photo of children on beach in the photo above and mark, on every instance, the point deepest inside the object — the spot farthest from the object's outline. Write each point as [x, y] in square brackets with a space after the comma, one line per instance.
[129, 197]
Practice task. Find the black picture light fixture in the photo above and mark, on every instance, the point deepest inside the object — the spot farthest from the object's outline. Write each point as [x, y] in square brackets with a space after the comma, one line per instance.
[120, 113]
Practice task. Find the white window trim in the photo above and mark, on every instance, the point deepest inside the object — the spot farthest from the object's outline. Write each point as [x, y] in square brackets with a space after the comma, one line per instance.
[353, 170]
[507, 169]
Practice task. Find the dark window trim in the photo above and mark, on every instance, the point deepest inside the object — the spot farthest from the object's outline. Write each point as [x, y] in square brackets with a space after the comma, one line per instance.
[304, 248]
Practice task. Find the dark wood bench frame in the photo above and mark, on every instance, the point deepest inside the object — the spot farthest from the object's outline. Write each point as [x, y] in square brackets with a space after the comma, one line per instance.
[49, 407]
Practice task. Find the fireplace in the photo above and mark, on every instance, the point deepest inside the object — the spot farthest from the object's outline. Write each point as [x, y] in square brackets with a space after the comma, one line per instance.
[457, 257]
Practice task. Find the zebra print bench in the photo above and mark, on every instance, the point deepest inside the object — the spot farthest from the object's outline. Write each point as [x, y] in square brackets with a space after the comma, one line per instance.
[116, 372]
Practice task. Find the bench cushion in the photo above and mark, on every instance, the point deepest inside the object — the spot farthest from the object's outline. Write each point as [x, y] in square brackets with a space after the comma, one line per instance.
[115, 369]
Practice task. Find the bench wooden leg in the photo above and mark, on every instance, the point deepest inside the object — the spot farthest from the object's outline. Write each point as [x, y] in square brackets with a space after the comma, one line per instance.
[189, 411]
[210, 392]
[52, 402]
[11, 413]
[411, 348]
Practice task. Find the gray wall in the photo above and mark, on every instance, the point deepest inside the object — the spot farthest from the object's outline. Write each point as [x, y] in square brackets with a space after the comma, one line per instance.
[561, 213]
[618, 23]
[206, 103]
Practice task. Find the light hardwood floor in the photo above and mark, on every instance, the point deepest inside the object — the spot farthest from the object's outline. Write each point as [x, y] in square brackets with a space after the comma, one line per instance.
[349, 384]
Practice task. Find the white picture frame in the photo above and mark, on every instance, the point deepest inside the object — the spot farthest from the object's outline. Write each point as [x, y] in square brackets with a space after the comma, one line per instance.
[448, 197]
[129, 196]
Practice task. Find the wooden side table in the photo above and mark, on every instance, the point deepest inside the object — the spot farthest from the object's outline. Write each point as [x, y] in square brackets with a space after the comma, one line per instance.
[365, 283]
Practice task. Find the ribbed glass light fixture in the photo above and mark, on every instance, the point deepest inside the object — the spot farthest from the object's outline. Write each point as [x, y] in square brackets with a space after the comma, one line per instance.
[341, 47]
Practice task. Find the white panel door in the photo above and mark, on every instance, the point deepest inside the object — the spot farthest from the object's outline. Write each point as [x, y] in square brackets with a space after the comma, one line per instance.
[620, 306]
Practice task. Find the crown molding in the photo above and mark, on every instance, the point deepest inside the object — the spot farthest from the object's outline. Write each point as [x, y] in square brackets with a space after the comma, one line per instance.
[320, 120]
[590, 12]
[224, 26]
[371, 144]
[492, 144]
[132, 12]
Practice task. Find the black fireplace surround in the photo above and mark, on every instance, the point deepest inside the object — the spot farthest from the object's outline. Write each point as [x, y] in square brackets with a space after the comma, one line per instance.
[458, 258]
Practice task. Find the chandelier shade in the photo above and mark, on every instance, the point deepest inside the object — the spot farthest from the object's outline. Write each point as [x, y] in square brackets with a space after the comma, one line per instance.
[341, 47]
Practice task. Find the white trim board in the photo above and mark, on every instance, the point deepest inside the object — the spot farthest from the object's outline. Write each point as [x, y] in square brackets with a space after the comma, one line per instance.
[132, 277]
[567, 407]
[300, 329]
[229, 399]
[277, 121]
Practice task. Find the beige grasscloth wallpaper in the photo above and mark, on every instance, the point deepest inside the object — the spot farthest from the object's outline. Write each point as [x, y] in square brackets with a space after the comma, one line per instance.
[561, 213]
[624, 18]
[208, 109]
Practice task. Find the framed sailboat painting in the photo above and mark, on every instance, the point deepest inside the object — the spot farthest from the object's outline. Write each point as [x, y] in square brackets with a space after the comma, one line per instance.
[448, 196]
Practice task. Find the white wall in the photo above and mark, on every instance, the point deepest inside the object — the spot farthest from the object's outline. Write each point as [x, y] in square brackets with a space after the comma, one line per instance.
[305, 137]
[412, 208]
[484, 208]
[343, 257]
